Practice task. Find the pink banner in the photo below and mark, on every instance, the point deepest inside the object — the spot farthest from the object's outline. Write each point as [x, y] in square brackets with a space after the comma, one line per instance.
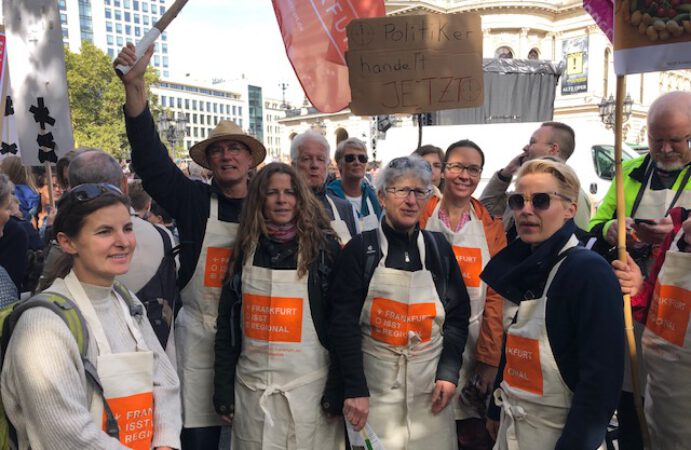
[602, 12]
[314, 34]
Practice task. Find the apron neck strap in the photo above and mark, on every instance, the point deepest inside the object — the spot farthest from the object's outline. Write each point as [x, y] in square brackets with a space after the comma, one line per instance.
[384, 245]
[337, 216]
[213, 207]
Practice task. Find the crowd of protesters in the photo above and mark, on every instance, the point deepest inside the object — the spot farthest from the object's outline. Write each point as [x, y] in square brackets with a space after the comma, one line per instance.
[295, 309]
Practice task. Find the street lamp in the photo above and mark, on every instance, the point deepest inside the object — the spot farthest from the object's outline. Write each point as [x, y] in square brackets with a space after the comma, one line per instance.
[174, 129]
[607, 108]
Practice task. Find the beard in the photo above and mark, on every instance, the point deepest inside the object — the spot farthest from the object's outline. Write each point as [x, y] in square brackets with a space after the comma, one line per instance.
[671, 166]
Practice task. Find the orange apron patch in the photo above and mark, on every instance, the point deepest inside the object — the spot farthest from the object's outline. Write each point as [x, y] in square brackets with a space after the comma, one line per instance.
[135, 416]
[216, 266]
[523, 370]
[391, 320]
[470, 261]
[273, 319]
[669, 313]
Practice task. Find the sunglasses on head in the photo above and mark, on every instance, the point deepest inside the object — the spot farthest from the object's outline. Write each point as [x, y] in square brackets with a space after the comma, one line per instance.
[350, 158]
[540, 200]
[86, 192]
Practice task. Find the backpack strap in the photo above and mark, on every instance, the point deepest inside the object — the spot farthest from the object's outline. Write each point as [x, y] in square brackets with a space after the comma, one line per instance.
[136, 308]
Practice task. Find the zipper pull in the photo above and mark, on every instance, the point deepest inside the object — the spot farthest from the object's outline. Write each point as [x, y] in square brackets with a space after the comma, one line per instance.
[407, 258]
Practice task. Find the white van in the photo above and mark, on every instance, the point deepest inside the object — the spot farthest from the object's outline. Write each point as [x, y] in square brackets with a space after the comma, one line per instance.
[593, 158]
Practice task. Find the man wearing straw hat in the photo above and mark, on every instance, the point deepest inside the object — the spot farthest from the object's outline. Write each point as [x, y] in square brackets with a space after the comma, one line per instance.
[207, 217]
[653, 185]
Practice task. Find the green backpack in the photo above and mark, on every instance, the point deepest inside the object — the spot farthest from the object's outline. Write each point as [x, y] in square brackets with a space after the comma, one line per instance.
[70, 314]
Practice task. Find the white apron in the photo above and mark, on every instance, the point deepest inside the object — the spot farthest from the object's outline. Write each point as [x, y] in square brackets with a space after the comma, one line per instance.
[371, 221]
[401, 322]
[282, 369]
[195, 327]
[339, 225]
[472, 253]
[667, 351]
[653, 205]
[534, 398]
[127, 378]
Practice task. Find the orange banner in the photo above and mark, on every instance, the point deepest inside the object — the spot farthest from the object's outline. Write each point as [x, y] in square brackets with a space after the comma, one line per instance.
[216, 267]
[135, 416]
[669, 313]
[470, 261]
[391, 320]
[523, 370]
[273, 319]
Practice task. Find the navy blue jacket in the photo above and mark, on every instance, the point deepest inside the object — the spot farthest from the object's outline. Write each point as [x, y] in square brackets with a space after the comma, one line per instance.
[187, 201]
[585, 327]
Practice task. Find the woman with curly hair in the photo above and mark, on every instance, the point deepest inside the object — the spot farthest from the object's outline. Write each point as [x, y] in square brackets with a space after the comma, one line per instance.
[271, 350]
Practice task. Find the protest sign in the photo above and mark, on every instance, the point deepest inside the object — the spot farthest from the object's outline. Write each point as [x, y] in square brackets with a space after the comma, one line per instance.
[39, 86]
[314, 34]
[8, 131]
[651, 36]
[413, 64]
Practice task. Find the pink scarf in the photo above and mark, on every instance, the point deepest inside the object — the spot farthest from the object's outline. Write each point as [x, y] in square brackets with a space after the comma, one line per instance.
[282, 233]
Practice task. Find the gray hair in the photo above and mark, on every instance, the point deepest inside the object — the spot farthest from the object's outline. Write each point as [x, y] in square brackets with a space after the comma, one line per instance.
[405, 165]
[6, 188]
[94, 166]
[308, 135]
[352, 142]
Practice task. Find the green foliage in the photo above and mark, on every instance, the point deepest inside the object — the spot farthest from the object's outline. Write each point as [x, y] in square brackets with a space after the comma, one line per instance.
[96, 97]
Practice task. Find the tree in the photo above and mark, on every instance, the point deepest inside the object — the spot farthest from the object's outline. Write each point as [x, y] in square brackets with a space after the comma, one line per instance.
[96, 97]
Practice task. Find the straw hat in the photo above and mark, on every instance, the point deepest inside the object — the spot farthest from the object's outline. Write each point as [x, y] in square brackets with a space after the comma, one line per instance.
[228, 130]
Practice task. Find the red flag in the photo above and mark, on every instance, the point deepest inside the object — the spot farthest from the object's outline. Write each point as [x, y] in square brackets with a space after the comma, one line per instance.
[314, 34]
[602, 12]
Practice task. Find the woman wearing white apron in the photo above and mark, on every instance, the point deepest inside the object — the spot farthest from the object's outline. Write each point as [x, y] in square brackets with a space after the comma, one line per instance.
[475, 237]
[400, 320]
[271, 356]
[559, 378]
[46, 392]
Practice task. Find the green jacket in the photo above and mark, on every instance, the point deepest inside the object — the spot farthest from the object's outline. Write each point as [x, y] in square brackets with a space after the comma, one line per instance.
[634, 176]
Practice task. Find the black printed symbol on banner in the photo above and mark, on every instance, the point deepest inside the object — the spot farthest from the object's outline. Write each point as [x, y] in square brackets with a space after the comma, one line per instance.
[46, 143]
[7, 148]
[9, 106]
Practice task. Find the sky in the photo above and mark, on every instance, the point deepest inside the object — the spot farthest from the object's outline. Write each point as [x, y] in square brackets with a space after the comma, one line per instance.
[228, 38]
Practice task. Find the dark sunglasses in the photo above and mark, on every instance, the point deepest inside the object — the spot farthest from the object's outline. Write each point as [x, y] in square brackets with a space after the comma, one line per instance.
[540, 200]
[86, 192]
[351, 158]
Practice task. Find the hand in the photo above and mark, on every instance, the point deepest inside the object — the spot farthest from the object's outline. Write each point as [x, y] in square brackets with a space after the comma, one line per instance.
[492, 428]
[613, 232]
[50, 215]
[629, 275]
[513, 165]
[487, 374]
[227, 418]
[355, 411]
[127, 57]
[686, 226]
[655, 234]
[443, 393]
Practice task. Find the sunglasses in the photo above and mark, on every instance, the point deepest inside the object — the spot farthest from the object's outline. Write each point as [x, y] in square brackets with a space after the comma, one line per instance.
[540, 200]
[350, 158]
[86, 192]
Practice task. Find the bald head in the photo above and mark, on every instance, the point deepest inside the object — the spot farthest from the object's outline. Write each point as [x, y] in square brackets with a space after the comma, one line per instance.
[677, 103]
[669, 130]
[95, 166]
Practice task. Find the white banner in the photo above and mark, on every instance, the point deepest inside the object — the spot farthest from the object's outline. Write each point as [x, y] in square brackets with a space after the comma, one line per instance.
[39, 88]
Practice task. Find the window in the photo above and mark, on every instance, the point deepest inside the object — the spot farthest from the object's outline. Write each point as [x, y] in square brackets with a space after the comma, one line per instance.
[201, 119]
[128, 17]
[180, 103]
[65, 34]
[137, 31]
[154, 9]
[111, 53]
[146, 20]
[164, 36]
[127, 4]
[118, 15]
[534, 54]
[208, 109]
[135, 5]
[240, 112]
[215, 108]
[108, 13]
[227, 109]
[195, 119]
[164, 48]
[165, 61]
[157, 60]
[128, 30]
[109, 26]
[603, 159]
[162, 9]
[63, 19]
[118, 28]
[163, 100]
[145, 7]
[109, 39]
[166, 74]
[504, 52]
[194, 105]
[116, 3]
[120, 41]
[234, 110]
[136, 18]
[187, 103]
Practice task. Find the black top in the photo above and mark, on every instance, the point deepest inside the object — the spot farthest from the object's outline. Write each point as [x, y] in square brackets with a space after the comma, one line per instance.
[349, 290]
[272, 255]
[186, 200]
[14, 244]
[585, 327]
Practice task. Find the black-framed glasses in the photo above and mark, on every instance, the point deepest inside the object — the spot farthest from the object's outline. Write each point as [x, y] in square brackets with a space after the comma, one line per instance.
[350, 158]
[86, 192]
[458, 168]
[673, 142]
[540, 200]
[420, 194]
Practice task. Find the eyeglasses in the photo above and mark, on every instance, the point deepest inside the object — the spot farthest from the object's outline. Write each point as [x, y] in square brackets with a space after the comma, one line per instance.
[86, 192]
[540, 200]
[219, 148]
[350, 158]
[673, 142]
[420, 194]
[458, 168]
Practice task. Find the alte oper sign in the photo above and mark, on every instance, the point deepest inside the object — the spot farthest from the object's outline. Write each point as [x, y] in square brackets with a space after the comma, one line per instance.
[414, 64]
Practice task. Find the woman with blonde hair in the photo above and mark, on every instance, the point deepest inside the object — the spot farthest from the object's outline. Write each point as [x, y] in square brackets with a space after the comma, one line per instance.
[272, 356]
[562, 363]
[24, 187]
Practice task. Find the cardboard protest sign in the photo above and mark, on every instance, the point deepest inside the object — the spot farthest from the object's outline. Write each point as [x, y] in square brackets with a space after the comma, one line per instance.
[39, 86]
[651, 36]
[413, 64]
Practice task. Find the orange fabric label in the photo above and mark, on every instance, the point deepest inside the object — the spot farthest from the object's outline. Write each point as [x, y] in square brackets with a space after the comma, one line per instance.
[391, 320]
[216, 267]
[669, 313]
[273, 319]
[135, 416]
[470, 261]
[523, 370]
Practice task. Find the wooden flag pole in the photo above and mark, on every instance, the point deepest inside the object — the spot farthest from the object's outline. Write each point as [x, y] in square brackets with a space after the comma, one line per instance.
[49, 177]
[621, 247]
